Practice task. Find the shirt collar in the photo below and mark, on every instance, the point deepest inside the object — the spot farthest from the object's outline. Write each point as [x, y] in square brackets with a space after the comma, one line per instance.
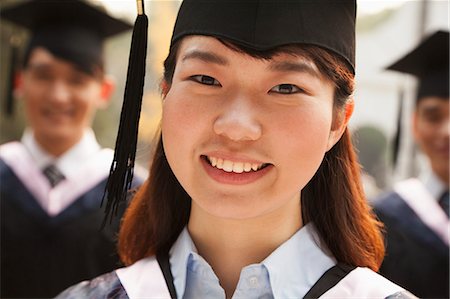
[297, 264]
[433, 184]
[69, 162]
[179, 256]
[39, 155]
[293, 267]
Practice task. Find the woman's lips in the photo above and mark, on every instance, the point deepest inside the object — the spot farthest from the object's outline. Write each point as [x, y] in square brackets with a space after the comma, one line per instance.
[234, 166]
[234, 172]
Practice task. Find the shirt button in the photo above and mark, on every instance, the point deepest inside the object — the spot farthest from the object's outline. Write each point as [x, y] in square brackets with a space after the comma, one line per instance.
[253, 281]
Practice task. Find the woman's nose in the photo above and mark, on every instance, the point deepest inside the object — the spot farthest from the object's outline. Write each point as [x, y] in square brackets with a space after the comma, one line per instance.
[238, 120]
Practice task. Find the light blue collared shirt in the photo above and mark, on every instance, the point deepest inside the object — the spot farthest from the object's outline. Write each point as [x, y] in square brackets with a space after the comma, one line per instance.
[288, 272]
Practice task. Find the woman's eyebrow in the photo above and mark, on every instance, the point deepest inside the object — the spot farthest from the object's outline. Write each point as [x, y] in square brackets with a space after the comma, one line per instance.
[283, 66]
[206, 57]
[290, 66]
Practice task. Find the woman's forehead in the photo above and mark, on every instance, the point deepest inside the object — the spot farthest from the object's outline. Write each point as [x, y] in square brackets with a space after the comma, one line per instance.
[212, 49]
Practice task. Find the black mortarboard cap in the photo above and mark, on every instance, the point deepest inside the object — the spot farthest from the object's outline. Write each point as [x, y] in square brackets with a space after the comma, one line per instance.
[429, 62]
[257, 24]
[63, 24]
[267, 24]
[70, 29]
[66, 25]
[38, 15]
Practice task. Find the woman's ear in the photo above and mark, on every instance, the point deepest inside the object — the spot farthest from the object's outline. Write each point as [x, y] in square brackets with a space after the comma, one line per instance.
[349, 108]
[165, 87]
[340, 123]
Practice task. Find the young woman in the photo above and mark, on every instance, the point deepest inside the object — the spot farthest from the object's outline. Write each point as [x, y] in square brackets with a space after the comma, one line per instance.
[254, 189]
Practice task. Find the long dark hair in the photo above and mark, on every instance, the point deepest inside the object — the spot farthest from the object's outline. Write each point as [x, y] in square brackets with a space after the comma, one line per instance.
[333, 200]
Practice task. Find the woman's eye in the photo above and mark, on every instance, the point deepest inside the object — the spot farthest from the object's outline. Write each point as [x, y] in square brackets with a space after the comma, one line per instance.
[286, 89]
[207, 80]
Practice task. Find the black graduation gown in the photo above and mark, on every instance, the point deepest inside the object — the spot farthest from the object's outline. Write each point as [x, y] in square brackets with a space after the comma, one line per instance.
[416, 258]
[41, 255]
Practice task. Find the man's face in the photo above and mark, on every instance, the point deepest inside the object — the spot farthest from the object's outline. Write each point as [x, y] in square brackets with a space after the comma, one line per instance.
[60, 100]
[431, 125]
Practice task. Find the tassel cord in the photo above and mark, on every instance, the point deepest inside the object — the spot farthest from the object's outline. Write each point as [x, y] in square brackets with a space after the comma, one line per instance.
[121, 171]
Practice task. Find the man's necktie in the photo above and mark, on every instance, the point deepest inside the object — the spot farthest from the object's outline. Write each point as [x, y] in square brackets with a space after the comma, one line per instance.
[53, 175]
[443, 202]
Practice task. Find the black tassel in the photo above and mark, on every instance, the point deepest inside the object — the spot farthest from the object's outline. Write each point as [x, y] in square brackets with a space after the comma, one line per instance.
[396, 146]
[121, 172]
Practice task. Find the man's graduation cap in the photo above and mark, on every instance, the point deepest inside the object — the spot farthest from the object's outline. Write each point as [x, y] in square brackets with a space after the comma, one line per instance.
[257, 24]
[70, 29]
[429, 63]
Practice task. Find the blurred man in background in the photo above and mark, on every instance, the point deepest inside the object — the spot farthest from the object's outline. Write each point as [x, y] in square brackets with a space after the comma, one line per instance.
[52, 182]
[416, 214]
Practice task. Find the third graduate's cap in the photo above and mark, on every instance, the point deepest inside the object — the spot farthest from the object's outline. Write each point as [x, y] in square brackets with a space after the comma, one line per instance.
[267, 24]
[429, 62]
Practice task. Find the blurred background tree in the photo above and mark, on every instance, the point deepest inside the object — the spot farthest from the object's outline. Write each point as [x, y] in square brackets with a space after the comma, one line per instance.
[371, 144]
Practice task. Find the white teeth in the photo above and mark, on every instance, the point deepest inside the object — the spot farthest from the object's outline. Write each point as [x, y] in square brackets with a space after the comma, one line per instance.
[227, 166]
[219, 163]
[213, 161]
[236, 167]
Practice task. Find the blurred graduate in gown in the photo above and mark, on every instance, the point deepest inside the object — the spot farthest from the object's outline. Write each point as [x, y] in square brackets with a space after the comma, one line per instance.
[415, 213]
[52, 181]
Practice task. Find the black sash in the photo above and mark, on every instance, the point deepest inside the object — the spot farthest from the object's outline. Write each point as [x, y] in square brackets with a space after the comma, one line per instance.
[328, 280]
[164, 264]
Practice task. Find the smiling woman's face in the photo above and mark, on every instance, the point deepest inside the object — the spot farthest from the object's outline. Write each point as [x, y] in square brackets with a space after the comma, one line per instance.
[245, 135]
